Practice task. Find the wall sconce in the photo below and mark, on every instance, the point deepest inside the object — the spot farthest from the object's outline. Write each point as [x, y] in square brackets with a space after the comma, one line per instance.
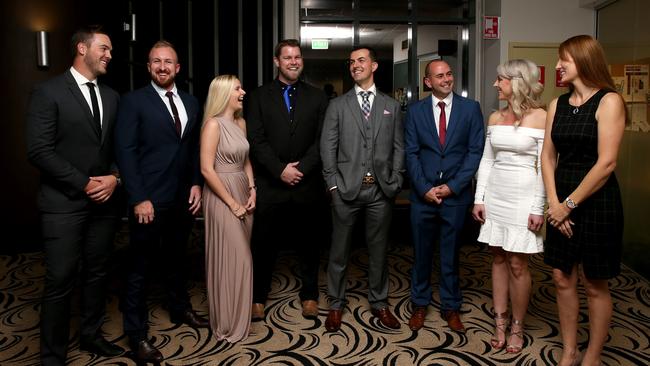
[43, 59]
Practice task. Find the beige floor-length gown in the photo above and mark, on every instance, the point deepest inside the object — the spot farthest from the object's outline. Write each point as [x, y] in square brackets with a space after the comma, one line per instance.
[229, 265]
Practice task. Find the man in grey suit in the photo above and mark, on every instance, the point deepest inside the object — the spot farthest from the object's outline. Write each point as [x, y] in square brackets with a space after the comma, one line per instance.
[70, 122]
[362, 149]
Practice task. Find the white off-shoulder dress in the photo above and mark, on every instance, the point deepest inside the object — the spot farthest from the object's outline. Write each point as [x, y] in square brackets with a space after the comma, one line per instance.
[509, 183]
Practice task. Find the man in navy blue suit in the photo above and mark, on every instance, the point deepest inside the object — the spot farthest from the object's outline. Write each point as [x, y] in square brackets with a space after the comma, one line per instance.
[157, 151]
[443, 143]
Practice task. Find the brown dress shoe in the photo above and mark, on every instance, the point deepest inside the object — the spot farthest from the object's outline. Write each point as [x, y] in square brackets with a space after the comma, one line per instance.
[310, 309]
[144, 352]
[190, 318]
[417, 318]
[333, 321]
[385, 317]
[257, 312]
[453, 320]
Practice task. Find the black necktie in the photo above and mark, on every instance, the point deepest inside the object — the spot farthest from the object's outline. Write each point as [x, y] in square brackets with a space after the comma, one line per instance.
[177, 119]
[93, 100]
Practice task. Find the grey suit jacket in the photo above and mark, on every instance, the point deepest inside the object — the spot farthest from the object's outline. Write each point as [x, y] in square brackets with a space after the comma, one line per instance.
[347, 141]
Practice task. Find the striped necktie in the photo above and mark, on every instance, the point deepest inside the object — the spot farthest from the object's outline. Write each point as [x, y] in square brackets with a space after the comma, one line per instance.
[365, 103]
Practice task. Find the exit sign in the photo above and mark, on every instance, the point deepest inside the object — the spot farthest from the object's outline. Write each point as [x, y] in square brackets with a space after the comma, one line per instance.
[320, 44]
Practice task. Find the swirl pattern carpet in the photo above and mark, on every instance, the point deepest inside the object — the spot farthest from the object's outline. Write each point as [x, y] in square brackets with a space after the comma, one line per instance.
[285, 338]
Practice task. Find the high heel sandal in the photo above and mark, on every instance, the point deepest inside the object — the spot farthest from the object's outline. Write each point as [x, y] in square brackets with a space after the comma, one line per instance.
[500, 325]
[519, 333]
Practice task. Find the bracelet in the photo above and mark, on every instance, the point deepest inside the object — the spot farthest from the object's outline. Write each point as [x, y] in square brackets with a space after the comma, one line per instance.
[252, 187]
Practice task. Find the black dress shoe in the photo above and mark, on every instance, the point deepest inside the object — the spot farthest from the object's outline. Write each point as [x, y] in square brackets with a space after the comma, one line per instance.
[144, 352]
[100, 346]
[191, 319]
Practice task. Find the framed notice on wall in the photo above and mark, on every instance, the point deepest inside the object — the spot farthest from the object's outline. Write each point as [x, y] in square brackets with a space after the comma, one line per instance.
[491, 27]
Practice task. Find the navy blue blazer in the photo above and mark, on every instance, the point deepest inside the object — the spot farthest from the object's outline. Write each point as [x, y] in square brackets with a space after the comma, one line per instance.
[154, 163]
[429, 164]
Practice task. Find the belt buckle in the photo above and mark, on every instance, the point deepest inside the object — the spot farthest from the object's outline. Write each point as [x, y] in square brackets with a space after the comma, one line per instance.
[368, 180]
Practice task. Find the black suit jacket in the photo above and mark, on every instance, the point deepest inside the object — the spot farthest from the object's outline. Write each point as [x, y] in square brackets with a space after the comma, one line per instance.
[155, 164]
[64, 144]
[275, 142]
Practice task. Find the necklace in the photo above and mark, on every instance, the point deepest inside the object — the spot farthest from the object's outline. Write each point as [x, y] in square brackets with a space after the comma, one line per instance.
[576, 110]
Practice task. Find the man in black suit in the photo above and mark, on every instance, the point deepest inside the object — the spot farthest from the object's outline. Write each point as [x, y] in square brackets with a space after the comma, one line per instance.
[284, 119]
[70, 123]
[157, 150]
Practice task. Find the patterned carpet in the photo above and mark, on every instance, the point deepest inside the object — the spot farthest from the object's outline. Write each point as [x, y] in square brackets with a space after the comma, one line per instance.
[285, 338]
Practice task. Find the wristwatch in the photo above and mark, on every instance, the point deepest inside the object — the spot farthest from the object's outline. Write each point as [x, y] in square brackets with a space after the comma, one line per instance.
[570, 203]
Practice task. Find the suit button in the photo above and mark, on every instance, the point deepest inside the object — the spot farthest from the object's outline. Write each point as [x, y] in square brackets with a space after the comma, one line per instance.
[442, 156]
[363, 164]
[364, 145]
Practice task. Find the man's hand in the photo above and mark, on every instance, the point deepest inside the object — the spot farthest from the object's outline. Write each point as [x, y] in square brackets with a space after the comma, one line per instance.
[432, 197]
[144, 212]
[442, 191]
[291, 175]
[195, 199]
[101, 188]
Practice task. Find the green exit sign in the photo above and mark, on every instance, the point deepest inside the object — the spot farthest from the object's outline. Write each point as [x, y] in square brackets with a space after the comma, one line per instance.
[320, 44]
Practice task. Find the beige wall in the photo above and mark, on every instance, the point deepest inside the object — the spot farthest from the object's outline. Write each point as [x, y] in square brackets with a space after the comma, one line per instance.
[543, 21]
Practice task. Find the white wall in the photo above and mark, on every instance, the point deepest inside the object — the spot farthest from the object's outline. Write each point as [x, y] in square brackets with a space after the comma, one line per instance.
[550, 21]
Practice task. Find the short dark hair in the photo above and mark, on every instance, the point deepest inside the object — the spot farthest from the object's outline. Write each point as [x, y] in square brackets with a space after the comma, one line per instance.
[84, 34]
[371, 51]
[286, 43]
[427, 72]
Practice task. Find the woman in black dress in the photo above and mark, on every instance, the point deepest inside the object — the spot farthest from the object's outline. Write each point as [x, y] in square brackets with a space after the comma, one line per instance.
[584, 129]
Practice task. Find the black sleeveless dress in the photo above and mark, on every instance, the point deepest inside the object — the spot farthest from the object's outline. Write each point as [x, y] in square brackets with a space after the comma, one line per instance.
[598, 230]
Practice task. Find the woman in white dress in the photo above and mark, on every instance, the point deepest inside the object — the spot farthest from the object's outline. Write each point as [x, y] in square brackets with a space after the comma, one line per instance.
[510, 197]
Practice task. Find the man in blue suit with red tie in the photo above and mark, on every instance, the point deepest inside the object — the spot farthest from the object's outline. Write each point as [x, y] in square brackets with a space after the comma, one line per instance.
[444, 137]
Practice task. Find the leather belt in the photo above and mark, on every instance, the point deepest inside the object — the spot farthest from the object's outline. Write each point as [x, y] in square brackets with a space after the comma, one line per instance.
[368, 180]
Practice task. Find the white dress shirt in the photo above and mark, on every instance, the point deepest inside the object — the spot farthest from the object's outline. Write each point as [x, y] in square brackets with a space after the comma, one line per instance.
[436, 110]
[373, 94]
[85, 91]
[182, 113]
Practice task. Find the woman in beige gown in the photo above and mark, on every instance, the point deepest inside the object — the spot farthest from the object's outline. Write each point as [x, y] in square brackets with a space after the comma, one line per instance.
[228, 201]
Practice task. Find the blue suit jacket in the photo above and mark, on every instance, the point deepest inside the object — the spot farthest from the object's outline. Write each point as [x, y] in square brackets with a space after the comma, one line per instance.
[155, 164]
[429, 164]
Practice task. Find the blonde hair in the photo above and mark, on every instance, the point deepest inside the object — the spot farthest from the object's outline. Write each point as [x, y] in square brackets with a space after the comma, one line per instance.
[526, 88]
[219, 96]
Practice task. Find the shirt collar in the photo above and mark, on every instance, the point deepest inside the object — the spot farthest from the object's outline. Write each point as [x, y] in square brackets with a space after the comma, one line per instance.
[80, 79]
[358, 89]
[448, 99]
[283, 85]
[163, 92]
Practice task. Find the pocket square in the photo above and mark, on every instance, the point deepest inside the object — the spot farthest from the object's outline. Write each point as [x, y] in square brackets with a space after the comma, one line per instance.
[386, 112]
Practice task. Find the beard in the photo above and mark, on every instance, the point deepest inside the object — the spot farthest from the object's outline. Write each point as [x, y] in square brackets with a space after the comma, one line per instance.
[163, 82]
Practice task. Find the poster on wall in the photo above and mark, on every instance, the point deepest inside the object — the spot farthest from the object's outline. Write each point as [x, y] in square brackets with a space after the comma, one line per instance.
[634, 84]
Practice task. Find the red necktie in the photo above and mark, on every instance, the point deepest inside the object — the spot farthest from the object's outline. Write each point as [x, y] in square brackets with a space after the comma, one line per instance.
[442, 130]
